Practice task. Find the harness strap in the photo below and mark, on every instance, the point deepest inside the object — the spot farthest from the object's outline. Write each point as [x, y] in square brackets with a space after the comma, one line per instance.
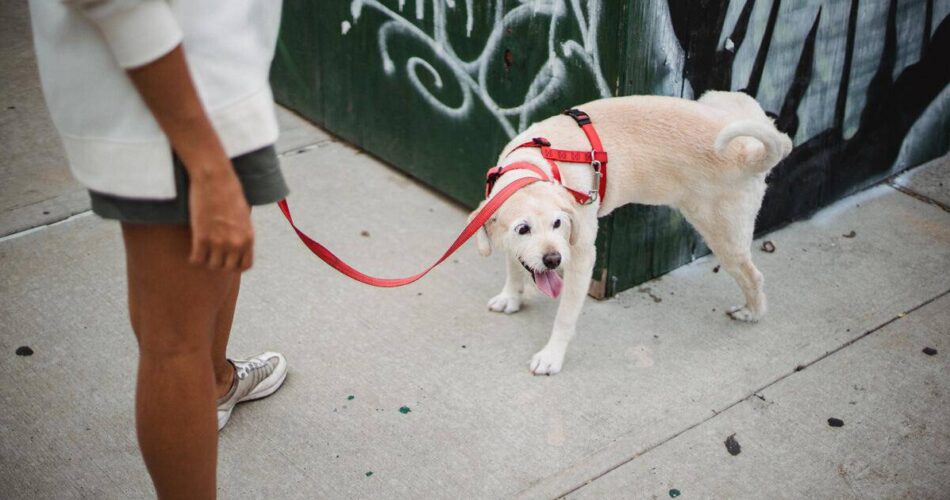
[596, 157]
[495, 173]
[473, 226]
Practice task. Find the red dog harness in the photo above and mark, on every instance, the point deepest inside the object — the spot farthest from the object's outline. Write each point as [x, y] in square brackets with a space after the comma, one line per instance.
[596, 157]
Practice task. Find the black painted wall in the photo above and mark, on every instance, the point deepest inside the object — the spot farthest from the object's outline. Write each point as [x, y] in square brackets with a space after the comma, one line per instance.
[901, 45]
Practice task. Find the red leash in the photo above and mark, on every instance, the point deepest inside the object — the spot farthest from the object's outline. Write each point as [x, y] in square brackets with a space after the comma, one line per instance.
[473, 226]
[597, 158]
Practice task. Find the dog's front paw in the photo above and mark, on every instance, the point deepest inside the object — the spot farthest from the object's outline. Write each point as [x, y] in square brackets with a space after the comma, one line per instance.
[743, 313]
[547, 361]
[505, 302]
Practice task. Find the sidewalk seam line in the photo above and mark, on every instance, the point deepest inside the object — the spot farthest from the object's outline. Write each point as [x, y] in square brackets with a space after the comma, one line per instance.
[914, 194]
[757, 391]
[306, 148]
[34, 229]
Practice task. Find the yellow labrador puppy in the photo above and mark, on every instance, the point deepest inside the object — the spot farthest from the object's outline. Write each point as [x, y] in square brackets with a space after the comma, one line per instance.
[708, 158]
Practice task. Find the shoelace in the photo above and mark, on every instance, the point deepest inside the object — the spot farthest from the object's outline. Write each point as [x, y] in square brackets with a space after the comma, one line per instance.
[255, 370]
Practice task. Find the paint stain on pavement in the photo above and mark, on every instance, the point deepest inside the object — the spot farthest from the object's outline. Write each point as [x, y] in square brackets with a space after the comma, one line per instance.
[674, 493]
[404, 410]
[26, 351]
[649, 291]
[835, 422]
[732, 446]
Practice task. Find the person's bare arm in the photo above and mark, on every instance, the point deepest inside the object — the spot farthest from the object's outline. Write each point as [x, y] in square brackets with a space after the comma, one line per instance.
[222, 235]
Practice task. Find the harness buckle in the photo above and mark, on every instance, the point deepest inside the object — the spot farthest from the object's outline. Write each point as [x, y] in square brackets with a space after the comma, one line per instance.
[593, 193]
[579, 116]
[594, 162]
[492, 177]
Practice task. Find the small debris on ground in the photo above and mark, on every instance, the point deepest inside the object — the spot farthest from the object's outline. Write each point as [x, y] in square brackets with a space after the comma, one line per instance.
[852, 234]
[930, 351]
[26, 351]
[404, 410]
[768, 246]
[364, 233]
[674, 493]
[716, 269]
[732, 446]
[835, 422]
[799, 368]
[463, 346]
[350, 397]
[369, 473]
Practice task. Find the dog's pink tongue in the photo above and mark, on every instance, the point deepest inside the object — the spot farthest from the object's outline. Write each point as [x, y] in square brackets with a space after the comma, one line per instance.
[549, 282]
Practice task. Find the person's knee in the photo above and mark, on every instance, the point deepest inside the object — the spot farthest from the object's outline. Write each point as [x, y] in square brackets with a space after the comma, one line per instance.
[171, 337]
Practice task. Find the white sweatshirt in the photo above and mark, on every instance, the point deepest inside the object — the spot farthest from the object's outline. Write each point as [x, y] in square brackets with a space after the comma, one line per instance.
[113, 142]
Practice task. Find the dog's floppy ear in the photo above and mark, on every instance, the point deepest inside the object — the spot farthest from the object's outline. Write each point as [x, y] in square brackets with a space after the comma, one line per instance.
[482, 241]
[572, 214]
[568, 205]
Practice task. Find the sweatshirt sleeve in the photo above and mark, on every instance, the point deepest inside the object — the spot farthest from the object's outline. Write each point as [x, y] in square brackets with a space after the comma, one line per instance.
[137, 31]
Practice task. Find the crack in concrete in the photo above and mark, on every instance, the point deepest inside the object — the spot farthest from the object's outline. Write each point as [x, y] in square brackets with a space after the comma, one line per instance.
[750, 395]
[914, 194]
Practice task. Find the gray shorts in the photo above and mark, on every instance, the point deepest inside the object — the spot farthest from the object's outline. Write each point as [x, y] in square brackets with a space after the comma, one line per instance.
[258, 171]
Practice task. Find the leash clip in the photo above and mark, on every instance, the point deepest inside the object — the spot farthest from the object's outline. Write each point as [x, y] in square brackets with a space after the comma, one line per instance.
[593, 193]
[595, 164]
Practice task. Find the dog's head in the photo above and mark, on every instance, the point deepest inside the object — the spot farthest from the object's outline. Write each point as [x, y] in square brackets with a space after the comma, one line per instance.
[536, 227]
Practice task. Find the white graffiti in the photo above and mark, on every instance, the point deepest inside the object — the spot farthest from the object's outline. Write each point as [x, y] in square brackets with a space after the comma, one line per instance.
[472, 76]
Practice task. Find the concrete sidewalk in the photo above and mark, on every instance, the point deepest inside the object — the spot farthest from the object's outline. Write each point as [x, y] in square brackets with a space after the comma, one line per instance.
[656, 381]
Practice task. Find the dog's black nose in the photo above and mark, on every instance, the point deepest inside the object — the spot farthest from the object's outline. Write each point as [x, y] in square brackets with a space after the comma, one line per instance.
[551, 260]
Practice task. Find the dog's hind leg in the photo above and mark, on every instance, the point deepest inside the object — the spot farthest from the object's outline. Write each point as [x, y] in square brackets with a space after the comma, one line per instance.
[752, 283]
[727, 231]
[577, 275]
[509, 300]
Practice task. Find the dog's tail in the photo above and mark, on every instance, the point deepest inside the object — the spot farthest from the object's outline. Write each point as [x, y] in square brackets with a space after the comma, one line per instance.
[777, 145]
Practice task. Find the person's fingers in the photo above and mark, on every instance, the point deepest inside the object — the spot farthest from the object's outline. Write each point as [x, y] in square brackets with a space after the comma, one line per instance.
[199, 251]
[216, 258]
[233, 259]
[247, 260]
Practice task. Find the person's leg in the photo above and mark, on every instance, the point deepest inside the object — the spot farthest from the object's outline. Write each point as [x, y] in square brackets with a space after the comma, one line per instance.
[173, 307]
[223, 369]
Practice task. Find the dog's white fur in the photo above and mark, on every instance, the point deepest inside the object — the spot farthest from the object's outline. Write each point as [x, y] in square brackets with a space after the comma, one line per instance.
[707, 158]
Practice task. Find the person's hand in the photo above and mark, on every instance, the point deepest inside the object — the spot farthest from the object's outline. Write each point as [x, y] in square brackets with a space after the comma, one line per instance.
[221, 233]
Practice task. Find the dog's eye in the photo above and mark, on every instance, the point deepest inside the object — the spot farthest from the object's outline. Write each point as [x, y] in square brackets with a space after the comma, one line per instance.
[523, 229]
[557, 223]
